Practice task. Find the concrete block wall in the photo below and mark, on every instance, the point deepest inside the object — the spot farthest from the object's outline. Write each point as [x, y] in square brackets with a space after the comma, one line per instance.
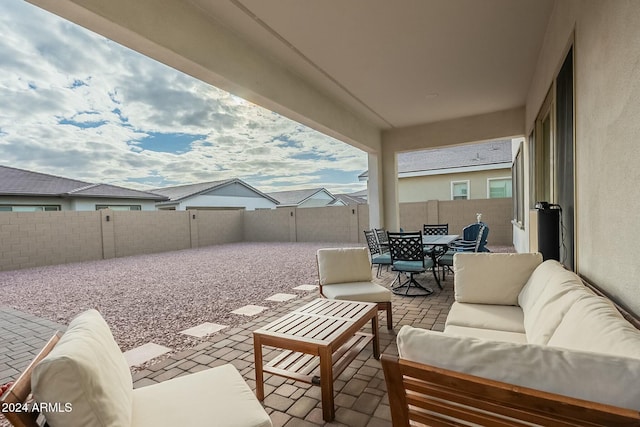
[496, 213]
[29, 239]
[327, 224]
[217, 227]
[139, 232]
[273, 225]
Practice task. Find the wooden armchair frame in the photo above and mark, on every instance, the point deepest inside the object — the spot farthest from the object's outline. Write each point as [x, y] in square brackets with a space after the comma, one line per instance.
[17, 396]
[432, 396]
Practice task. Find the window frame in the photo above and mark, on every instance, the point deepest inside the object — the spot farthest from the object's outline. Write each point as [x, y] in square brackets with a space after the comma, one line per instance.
[517, 187]
[510, 178]
[110, 206]
[461, 181]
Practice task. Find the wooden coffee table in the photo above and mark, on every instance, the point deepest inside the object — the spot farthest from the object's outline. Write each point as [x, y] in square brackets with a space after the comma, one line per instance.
[320, 340]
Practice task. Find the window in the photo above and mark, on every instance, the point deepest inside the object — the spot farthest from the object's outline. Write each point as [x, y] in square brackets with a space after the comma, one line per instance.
[29, 208]
[498, 188]
[459, 190]
[120, 207]
[517, 175]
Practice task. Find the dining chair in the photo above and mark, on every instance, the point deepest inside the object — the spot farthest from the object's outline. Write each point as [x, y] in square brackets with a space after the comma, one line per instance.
[434, 230]
[476, 245]
[407, 256]
[377, 257]
[345, 274]
[383, 240]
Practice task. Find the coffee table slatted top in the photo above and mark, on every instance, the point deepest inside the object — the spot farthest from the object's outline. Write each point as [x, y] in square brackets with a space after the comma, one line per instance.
[319, 322]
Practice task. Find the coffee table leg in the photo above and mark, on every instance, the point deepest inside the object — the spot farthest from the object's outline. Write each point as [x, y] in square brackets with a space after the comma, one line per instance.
[376, 341]
[326, 384]
[257, 352]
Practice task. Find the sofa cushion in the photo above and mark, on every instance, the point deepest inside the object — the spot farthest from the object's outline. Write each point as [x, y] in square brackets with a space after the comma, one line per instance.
[483, 278]
[584, 375]
[86, 369]
[498, 317]
[594, 324]
[537, 282]
[486, 334]
[215, 397]
[357, 291]
[341, 265]
[543, 317]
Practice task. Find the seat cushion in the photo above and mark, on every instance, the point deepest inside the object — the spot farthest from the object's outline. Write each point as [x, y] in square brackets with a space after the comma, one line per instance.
[341, 265]
[412, 266]
[357, 291]
[584, 375]
[486, 334]
[381, 259]
[483, 278]
[594, 324]
[86, 369]
[506, 318]
[216, 397]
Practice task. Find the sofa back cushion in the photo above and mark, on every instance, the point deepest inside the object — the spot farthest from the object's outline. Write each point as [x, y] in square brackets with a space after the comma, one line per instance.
[483, 278]
[594, 324]
[584, 375]
[542, 317]
[343, 265]
[87, 370]
[537, 282]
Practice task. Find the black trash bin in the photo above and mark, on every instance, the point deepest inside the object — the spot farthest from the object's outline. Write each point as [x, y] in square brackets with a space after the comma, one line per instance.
[548, 230]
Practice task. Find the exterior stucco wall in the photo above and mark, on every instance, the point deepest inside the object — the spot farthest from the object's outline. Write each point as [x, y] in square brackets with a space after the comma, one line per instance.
[438, 187]
[89, 204]
[607, 130]
[64, 204]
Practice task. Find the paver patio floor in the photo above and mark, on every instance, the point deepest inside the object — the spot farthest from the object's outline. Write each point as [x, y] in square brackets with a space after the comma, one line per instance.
[360, 390]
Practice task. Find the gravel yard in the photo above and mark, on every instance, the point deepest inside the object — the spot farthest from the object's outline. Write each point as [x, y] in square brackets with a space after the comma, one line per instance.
[151, 298]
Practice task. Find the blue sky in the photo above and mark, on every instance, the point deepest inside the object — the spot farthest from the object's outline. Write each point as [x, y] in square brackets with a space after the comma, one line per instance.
[81, 106]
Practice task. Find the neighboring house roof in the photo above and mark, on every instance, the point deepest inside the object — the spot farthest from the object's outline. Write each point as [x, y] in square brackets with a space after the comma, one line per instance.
[178, 193]
[350, 199]
[297, 197]
[20, 182]
[447, 160]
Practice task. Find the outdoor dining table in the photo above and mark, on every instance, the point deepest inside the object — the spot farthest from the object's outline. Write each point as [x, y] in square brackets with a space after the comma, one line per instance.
[439, 245]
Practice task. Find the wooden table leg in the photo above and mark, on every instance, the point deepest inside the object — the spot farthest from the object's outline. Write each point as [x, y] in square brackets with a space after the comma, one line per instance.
[376, 341]
[326, 384]
[257, 353]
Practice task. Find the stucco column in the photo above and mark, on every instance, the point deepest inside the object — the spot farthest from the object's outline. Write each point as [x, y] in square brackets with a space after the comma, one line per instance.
[375, 195]
[390, 188]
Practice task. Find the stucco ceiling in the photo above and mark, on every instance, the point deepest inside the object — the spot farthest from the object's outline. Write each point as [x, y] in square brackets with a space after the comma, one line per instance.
[401, 62]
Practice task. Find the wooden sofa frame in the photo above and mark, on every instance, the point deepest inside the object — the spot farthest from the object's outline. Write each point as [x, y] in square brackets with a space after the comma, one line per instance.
[432, 396]
[16, 398]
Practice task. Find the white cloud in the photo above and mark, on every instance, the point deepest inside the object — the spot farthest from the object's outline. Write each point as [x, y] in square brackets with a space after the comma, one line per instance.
[53, 71]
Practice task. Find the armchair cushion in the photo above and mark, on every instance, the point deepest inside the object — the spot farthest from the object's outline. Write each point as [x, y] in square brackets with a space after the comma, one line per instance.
[357, 291]
[583, 375]
[86, 369]
[343, 265]
[199, 400]
[492, 278]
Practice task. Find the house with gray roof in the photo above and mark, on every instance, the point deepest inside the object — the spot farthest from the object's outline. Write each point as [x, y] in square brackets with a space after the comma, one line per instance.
[352, 199]
[27, 191]
[214, 195]
[306, 198]
[473, 171]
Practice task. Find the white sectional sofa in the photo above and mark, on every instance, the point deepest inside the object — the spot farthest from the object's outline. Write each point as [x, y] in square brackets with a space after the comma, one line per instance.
[529, 323]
